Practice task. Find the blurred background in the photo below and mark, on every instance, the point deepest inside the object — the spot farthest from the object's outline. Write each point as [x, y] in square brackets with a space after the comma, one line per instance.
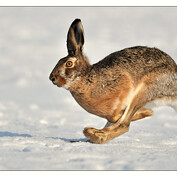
[33, 39]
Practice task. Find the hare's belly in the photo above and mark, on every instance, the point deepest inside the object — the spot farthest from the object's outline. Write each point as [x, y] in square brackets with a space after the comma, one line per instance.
[102, 107]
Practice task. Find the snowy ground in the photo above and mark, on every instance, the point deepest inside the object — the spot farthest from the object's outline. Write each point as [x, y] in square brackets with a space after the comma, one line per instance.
[37, 119]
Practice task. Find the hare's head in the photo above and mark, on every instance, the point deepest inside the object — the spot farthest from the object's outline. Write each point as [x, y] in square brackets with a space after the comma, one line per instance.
[75, 65]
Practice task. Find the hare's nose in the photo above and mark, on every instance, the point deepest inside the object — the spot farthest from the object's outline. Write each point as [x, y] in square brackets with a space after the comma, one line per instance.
[52, 77]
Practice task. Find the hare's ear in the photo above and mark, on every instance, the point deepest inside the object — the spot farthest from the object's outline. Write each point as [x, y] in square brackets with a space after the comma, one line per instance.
[75, 38]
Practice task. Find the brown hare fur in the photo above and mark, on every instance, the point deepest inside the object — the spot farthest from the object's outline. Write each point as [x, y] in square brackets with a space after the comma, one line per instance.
[119, 86]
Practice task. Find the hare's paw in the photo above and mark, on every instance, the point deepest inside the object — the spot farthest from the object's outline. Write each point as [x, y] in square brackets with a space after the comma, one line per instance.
[89, 131]
[95, 135]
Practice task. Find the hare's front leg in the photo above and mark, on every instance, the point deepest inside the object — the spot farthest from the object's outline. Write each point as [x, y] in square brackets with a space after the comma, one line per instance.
[105, 134]
[96, 136]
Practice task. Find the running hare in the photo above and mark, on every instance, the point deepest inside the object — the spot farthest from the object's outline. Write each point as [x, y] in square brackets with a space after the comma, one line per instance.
[118, 87]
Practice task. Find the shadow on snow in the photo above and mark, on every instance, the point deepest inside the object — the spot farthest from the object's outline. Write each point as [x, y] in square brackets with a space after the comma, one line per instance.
[3, 134]
[10, 134]
[72, 140]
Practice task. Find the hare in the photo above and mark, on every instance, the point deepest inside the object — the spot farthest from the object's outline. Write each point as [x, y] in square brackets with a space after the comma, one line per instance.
[119, 86]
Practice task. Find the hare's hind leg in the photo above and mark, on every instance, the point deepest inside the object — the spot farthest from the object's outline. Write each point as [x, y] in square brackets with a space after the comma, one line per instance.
[122, 125]
[140, 114]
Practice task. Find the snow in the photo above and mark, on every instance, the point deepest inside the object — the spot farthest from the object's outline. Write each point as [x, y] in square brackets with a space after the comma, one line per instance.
[37, 119]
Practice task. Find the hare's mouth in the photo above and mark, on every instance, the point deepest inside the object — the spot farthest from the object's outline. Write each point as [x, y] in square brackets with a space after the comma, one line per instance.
[57, 80]
[56, 83]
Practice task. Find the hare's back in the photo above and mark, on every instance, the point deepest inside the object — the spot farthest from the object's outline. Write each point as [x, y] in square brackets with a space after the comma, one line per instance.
[138, 60]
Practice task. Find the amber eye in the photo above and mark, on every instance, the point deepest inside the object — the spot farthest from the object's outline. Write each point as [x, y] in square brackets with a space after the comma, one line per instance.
[69, 64]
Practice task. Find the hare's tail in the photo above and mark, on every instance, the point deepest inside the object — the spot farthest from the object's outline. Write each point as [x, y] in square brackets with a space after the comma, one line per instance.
[174, 102]
[164, 91]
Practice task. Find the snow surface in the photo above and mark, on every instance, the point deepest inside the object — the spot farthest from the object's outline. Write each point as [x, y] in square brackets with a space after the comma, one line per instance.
[37, 119]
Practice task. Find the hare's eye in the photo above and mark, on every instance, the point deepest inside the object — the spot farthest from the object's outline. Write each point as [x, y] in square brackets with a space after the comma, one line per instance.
[69, 64]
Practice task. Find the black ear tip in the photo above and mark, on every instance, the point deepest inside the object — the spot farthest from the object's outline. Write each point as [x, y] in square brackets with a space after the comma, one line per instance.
[76, 21]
